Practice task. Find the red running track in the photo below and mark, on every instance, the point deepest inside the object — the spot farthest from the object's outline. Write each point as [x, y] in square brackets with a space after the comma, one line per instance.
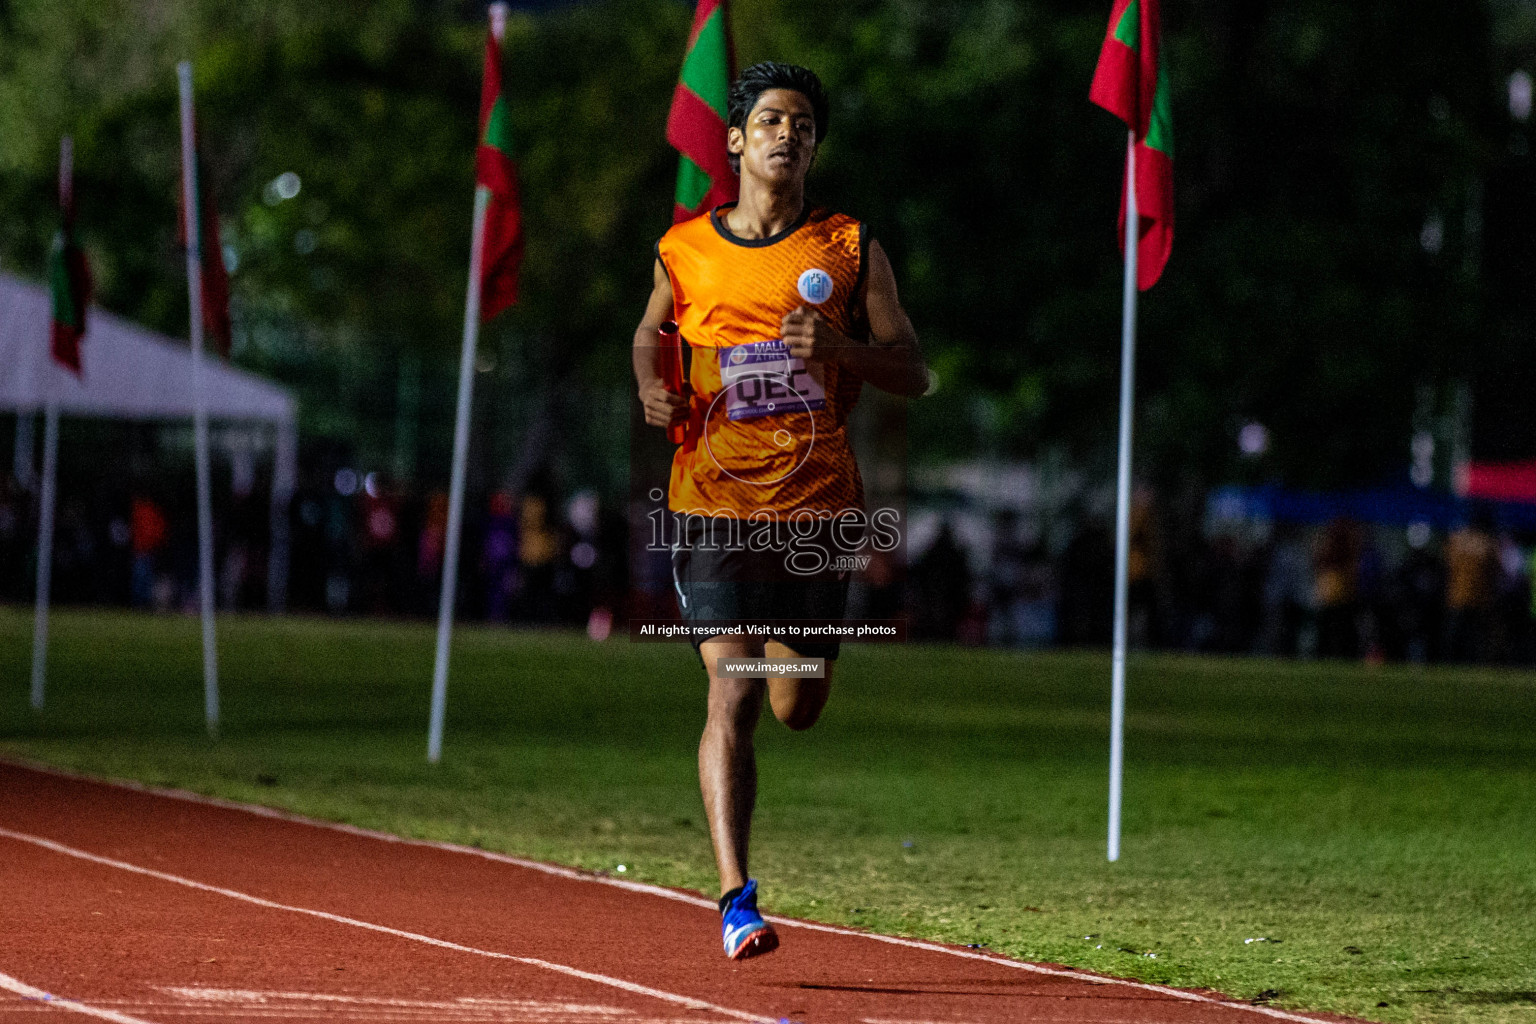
[150, 907]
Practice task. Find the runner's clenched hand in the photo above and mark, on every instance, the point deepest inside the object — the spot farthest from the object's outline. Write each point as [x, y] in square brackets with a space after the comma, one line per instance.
[662, 407]
[808, 335]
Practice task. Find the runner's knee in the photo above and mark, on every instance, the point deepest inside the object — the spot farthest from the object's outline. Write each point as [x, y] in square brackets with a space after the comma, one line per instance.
[734, 703]
[798, 702]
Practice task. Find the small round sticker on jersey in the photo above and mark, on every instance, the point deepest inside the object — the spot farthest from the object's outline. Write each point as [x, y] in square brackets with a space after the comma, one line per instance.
[815, 286]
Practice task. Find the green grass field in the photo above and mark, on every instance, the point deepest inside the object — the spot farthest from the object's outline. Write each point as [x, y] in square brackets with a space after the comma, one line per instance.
[1378, 828]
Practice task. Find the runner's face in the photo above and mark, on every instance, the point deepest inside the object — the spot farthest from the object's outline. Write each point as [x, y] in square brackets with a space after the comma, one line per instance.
[778, 142]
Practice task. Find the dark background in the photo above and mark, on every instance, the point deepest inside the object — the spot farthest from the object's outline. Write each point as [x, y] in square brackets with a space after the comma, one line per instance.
[1356, 224]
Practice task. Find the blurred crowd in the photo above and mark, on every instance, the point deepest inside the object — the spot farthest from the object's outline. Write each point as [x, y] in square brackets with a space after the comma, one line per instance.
[532, 557]
[1340, 589]
[358, 546]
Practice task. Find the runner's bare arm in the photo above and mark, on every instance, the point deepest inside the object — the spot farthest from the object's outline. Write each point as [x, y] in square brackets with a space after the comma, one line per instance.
[662, 408]
[892, 361]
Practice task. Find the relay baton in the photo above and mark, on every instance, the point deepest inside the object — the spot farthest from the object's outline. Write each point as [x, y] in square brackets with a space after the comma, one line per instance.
[671, 365]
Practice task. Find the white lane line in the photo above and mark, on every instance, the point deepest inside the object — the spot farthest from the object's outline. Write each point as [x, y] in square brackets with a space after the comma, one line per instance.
[1083, 976]
[368, 1015]
[377, 1015]
[21, 988]
[367, 833]
[235, 1002]
[243, 996]
[1033, 1019]
[574, 972]
[652, 890]
[202, 1001]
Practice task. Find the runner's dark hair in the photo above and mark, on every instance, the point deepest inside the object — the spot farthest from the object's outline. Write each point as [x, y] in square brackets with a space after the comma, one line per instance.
[772, 74]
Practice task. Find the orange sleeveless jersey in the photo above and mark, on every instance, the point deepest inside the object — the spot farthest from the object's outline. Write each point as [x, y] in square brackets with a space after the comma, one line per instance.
[774, 428]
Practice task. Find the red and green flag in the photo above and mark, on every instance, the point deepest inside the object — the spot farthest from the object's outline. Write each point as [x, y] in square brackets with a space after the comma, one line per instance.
[501, 251]
[1131, 82]
[696, 125]
[69, 276]
[216, 327]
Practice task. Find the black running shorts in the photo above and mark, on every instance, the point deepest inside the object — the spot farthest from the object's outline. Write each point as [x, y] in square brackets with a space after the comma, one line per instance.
[718, 579]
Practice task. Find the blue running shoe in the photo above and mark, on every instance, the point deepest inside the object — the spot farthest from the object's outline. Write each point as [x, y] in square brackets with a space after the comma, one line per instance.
[746, 933]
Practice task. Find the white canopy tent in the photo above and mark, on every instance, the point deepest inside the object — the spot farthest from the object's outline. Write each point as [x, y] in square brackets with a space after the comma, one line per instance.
[132, 373]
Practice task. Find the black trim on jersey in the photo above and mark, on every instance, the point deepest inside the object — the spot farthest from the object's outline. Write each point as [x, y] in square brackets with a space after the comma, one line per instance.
[858, 281]
[757, 243]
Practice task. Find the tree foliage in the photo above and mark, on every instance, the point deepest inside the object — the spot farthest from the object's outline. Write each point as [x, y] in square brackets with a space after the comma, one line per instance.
[1329, 261]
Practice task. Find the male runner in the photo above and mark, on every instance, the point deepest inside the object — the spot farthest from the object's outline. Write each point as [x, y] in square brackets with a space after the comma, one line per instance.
[769, 430]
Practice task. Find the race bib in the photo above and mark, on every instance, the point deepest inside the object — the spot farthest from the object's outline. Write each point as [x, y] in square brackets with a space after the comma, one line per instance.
[762, 379]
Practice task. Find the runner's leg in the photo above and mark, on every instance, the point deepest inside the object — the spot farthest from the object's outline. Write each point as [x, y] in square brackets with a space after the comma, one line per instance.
[796, 702]
[727, 763]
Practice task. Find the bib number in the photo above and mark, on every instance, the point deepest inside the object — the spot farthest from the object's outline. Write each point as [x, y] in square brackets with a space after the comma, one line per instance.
[761, 378]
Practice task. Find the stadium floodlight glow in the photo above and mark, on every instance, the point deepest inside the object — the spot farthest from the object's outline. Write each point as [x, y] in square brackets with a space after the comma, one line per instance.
[1422, 470]
[1520, 95]
[1432, 235]
[600, 624]
[283, 187]
[1253, 439]
[582, 512]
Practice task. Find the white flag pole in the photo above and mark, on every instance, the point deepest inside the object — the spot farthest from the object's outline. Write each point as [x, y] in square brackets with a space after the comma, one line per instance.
[498, 15]
[192, 210]
[1123, 498]
[48, 499]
